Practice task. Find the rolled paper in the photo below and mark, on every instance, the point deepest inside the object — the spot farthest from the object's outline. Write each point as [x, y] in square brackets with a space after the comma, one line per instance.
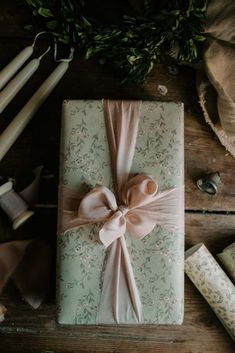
[9, 71]
[227, 258]
[10, 91]
[15, 128]
[213, 284]
[13, 205]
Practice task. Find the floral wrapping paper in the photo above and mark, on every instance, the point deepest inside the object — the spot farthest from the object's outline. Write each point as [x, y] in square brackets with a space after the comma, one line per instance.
[213, 284]
[158, 259]
[227, 258]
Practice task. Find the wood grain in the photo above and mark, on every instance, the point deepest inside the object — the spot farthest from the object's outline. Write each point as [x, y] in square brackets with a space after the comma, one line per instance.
[37, 331]
[14, 15]
[208, 219]
[84, 80]
[87, 79]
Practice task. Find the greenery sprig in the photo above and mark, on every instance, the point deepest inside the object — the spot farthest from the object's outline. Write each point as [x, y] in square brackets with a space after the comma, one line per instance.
[138, 42]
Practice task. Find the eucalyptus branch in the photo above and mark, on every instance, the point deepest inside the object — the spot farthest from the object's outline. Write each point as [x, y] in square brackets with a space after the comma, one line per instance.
[135, 45]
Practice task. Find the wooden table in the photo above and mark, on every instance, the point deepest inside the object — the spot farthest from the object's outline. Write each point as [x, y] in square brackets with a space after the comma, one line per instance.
[208, 219]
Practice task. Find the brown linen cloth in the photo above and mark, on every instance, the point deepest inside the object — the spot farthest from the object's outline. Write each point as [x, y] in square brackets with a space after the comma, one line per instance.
[216, 82]
[219, 67]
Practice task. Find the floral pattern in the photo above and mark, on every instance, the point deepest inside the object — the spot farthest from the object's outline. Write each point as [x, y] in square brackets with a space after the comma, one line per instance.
[158, 259]
[213, 283]
[227, 258]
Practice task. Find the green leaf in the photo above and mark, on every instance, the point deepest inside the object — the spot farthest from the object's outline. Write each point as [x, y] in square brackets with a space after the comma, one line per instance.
[28, 28]
[132, 59]
[45, 12]
[137, 43]
[86, 22]
[34, 3]
[52, 25]
[89, 53]
[199, 38]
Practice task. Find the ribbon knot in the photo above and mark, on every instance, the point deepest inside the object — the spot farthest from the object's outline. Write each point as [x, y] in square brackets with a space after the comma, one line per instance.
[123, 209]
[142, 207]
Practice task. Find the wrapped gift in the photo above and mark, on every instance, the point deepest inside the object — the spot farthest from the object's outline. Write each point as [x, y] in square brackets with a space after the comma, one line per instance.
[121, 213]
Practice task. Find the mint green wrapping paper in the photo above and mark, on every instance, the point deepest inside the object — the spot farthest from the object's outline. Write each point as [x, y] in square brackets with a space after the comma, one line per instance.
[158, 259]
[227, 258]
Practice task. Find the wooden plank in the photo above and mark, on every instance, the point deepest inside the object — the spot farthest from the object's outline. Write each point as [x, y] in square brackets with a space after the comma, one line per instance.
[32, 331]
[216, 231]
[203, 152]
[203, 155]
[41, 225]
[14, 15]
[38, 331]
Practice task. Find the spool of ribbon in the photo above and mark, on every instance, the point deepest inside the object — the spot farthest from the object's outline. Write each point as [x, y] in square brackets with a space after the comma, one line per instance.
[136, 206]
[13, 205]
[27, 262]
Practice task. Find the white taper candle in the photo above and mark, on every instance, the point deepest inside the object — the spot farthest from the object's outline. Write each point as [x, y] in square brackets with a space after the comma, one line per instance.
[9, 71]
[14, 129]
[15, 85]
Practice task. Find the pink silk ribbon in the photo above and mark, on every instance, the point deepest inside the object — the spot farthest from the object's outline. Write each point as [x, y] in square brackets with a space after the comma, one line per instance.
[138, 208]
[27, 262]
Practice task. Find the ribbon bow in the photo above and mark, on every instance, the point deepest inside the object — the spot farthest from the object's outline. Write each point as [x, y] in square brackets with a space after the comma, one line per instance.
[140, 210]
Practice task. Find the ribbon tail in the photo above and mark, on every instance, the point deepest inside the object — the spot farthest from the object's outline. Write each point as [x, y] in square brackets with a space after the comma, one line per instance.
[116, 280]
[129, 274]
[11, 254]
[119, 292]
[28, 263]
[32, 275]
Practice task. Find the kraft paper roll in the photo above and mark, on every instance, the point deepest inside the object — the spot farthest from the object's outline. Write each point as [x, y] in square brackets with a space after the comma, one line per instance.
[227, 258]
[213, 284]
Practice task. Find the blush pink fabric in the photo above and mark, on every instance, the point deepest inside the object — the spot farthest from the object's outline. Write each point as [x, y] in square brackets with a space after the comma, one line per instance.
[27, 262]
[137, 208]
